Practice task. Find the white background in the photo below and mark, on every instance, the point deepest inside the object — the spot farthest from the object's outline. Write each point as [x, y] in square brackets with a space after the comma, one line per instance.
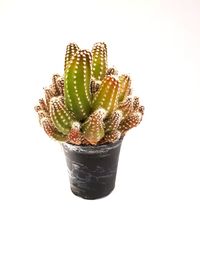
[153, 216]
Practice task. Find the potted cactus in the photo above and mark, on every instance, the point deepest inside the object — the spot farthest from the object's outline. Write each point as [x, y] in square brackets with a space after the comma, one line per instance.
[89, 110]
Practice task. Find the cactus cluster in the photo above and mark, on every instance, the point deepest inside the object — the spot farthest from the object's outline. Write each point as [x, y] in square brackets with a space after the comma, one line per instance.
[90, 104]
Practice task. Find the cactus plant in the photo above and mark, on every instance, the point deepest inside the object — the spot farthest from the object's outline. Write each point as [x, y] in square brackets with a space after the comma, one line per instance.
[89, 104]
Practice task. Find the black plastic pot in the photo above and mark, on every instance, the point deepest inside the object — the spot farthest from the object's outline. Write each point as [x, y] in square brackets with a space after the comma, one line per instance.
[92, 169]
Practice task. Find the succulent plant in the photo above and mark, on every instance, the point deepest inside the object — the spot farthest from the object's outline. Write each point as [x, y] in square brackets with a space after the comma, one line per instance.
[89, 104]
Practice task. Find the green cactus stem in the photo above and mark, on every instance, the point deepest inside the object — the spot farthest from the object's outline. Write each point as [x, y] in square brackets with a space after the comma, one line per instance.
[51, 131]
[61, 118]
[71, 50]
[77, 85]
[93, 127]
[107, 95]
[112, 123]
[111, 137]
[132, 121]
[126, 107]
[99, 61]
[124, 87]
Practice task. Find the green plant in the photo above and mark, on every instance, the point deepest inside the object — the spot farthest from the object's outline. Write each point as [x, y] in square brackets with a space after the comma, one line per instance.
[90, 103]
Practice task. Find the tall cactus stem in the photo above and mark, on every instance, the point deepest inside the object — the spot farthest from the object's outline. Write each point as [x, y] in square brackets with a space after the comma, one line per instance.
[77, 85]
[99, 62]
[71, 50]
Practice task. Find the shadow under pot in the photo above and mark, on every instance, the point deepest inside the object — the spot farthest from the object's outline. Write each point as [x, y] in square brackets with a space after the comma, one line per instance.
[92, 169]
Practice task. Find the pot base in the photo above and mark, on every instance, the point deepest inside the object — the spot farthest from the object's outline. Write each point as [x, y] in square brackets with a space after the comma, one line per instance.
[90, 196]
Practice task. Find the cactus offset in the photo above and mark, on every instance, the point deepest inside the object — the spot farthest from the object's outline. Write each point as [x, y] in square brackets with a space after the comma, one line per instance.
[62, 118]
[124, 87]
[112, 123]
[43, 105]
[60, 85]
[51, 130]
[136, 104]
[126, 107]
[75, 135]
[90, 104]
[93, 127]
[48, 95]
[132, 121]
[41, 113]
[111, 137]
[54, 88]
[141, 110]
